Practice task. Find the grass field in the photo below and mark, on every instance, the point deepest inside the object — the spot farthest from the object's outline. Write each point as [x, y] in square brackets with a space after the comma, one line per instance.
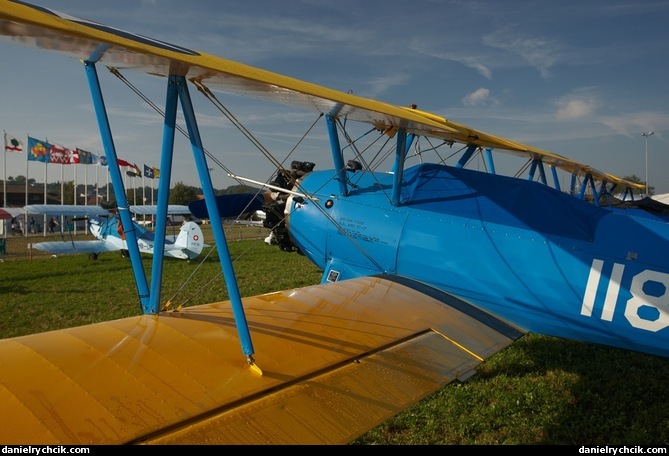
[541, 390]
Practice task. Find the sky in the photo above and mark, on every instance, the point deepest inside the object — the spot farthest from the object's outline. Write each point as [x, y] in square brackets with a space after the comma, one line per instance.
[583, 79]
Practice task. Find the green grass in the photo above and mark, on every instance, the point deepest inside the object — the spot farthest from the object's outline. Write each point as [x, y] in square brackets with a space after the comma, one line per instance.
[541, 390]
[544, 390]
[44, 293]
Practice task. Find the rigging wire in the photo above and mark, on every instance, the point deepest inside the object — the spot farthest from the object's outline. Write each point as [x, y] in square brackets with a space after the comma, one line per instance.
[181, 130]
[523, 168]
[226, 112]
[123, 79]
[278, 164]
[211, 97]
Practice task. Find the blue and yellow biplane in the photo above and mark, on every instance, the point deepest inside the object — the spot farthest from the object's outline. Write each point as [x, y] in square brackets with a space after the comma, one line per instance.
[429, 268]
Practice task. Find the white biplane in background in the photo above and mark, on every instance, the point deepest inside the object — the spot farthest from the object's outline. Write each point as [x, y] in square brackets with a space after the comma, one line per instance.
[428, 269]
[106, 227]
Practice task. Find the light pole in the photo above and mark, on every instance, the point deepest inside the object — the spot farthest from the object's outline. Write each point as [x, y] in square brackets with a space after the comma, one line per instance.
[646, 134]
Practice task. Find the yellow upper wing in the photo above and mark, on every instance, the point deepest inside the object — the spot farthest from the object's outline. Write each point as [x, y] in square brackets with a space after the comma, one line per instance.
[40, 27]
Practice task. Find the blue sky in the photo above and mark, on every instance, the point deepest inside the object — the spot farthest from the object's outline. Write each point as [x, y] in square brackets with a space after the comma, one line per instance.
[580, 78]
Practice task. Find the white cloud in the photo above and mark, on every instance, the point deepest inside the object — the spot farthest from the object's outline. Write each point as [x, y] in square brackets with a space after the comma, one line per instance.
[468, 59]
[479, 97]
[575, 108]
[633, 124]
[540, 53]
[381, 85]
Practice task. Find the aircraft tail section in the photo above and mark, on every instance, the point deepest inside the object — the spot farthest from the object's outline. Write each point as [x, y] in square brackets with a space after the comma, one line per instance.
[229, 205]
[190, 240]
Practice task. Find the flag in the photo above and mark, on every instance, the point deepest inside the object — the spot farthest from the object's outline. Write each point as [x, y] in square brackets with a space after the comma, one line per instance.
[130, 169]
[85, 157]
[156, 173]
[59, 154]
[148, 172]
[38, 150]
[12, 144]
[103, 160]
[74, 156]
[134, 171]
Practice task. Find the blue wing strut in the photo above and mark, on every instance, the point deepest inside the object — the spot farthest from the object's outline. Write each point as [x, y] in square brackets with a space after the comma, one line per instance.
[212, 208]
[117, 182]
[177, 89]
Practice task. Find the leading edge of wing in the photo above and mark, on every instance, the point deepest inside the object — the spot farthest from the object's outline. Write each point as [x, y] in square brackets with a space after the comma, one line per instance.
[48, 29]
[70, 210]
[40, 27]
[337, 359]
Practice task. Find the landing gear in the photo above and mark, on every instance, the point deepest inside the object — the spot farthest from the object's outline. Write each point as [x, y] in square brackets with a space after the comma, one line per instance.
[93, 256]
[274, 220]
[271, 239]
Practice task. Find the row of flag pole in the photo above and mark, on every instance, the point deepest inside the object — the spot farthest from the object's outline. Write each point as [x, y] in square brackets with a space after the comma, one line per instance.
[50, 153]
[45, 152]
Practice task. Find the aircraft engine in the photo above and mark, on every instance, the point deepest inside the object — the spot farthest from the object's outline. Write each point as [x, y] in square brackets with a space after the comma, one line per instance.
[275, 205]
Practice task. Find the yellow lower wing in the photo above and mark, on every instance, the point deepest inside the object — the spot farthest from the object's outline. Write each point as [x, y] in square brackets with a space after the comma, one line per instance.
[336, 360]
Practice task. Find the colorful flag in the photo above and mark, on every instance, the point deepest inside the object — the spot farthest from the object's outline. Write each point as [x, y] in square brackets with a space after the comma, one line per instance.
[85, 157]
[134, 170]
[156, 173]
[74, 156]
[12, 144]
[38, 150]
[59, 154]
[148, 172]
[103, 160]
[130, 169]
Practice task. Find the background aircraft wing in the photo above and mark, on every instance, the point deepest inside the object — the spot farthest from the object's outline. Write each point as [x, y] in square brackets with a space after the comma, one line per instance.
[71, 247]
[250, 222]
[69, 210]
[172, 209]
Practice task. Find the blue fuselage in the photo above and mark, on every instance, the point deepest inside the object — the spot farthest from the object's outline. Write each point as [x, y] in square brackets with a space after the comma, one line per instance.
[539, 258]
